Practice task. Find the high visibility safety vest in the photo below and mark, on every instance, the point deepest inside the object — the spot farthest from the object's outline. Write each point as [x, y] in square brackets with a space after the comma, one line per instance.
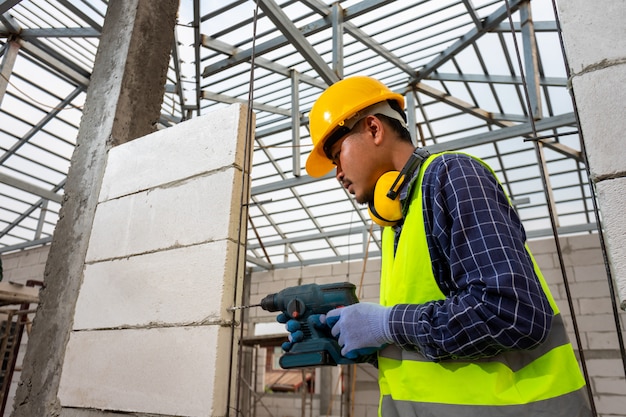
[545, 381]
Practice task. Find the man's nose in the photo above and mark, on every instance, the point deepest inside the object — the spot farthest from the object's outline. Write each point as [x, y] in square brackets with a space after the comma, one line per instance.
[339, 173]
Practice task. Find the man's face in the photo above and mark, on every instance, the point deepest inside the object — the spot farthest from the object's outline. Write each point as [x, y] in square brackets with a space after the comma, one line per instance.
[352, 155]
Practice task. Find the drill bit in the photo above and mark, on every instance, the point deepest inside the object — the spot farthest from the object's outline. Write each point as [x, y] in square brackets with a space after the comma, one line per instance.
[235, 308]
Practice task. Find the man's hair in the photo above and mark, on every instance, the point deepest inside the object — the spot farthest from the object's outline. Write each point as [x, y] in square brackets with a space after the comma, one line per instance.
[403, 133]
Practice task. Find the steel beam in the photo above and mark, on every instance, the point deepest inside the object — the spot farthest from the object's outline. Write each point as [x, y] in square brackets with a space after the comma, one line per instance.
[8, 25]
[464, 41]
[78, 77]
[520, 130]
[540, 26]
[42, 219]
[298, 40]
[223, 98]
[358, 34]
[6, 5]
[6, 66]
[59, 33]
[30, 188]
[531, 61]
[471, 11]
[30, 210]
[178, 90]
[295, 123]
[336, 15]
[457, 103]
[280, 41]
[496, 79]
[37, 128]
[78, 11]
[26, 245]
[411, 118]
[230, 50]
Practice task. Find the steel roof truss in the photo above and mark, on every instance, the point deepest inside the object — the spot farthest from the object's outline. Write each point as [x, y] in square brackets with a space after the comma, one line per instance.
[469, 38]
[230, 50]
[280, 41]
[298, 40]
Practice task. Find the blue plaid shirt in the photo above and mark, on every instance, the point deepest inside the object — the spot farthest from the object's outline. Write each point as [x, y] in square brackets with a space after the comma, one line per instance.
[494, 301]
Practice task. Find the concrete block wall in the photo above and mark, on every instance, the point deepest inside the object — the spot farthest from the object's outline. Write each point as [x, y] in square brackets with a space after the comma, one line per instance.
[588, 285]
[595, 44]
[584, 268]
[20, 267]
[151, 331]
[25, 265]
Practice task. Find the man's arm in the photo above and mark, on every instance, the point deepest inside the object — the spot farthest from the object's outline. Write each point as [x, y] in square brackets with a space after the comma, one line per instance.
[494, 299]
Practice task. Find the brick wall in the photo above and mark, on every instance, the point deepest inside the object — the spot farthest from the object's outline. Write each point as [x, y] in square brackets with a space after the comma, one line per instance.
[25, 265]
[586, 275]
[20, 267]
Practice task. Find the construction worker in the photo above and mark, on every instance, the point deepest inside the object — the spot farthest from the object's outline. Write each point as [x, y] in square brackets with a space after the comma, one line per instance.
[466, 324]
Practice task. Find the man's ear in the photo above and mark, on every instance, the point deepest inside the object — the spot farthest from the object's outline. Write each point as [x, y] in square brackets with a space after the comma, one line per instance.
[374, 127]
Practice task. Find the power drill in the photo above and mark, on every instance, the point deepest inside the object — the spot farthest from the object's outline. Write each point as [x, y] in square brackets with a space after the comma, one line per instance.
[319, 347]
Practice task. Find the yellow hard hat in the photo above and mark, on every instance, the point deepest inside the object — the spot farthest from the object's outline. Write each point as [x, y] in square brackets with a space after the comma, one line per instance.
[337, 107]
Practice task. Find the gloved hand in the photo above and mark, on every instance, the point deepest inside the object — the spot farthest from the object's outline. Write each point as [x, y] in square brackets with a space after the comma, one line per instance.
[361, 328]
[293, 327]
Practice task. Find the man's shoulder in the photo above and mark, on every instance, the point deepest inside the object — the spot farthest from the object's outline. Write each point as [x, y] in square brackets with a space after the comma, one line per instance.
[452, 156]
[448, 160]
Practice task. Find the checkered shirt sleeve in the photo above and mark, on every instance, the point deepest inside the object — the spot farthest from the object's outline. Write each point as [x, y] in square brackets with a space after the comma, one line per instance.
[494, 301]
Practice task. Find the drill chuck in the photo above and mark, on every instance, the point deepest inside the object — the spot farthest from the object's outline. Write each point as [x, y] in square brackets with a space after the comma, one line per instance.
[268, 304]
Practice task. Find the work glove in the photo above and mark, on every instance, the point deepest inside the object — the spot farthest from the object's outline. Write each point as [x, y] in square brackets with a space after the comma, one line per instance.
[293, 327]
[361, 328]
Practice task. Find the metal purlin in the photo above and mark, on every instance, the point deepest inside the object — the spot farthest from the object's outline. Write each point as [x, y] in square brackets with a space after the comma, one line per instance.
[244, 202]
[542, 169]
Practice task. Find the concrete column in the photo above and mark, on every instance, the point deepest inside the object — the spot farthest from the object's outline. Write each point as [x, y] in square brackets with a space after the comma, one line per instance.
[594, 35]
[123, 102]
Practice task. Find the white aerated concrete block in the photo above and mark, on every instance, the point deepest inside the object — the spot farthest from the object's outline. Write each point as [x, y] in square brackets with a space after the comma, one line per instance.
[152, 334]
[601, 108]
[190, 148]
[202, 209]
[612, 201]
[587, 25]
[193, 284]
[165, 371]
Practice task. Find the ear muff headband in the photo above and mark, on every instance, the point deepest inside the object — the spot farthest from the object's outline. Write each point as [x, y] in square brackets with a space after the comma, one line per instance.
[386, 209]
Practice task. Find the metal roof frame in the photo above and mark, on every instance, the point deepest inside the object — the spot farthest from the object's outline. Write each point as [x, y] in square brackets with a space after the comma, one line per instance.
[456, 62]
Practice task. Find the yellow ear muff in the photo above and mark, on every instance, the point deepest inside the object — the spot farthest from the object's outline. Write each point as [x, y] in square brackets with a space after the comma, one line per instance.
[384, 210]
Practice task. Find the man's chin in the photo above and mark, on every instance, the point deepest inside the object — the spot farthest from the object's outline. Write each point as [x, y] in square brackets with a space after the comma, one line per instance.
[362, 200]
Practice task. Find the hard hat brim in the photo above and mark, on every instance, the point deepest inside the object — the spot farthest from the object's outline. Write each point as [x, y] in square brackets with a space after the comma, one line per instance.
[318, 164]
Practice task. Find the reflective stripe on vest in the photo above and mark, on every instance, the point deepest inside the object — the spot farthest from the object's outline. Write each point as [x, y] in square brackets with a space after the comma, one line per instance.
[514, 378]
[573, 404]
